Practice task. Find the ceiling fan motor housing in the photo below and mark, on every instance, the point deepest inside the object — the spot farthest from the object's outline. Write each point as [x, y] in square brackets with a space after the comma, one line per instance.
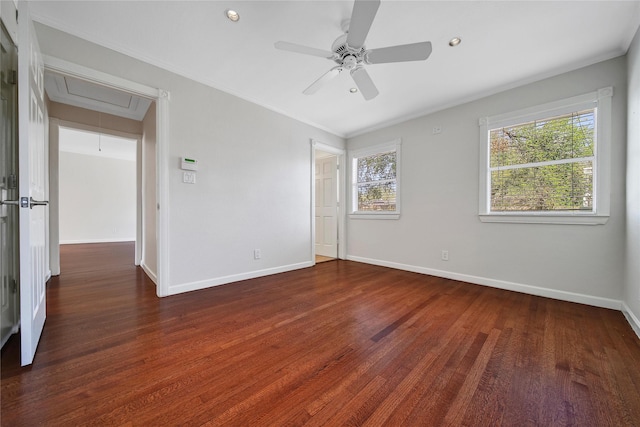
[347, 56]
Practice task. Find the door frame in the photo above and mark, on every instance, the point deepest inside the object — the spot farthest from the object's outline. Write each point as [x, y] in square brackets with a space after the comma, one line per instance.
[12, 214]
[161, 98]
[341, 218]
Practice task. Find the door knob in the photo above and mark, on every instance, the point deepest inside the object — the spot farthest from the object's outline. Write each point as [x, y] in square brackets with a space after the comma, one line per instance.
[25, 203]
[33, 202]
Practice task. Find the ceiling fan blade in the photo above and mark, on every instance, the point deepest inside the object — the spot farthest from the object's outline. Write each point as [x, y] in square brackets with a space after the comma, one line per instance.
[364, 11]
[366, 86]
[315, 86]
[405, 52]
[306, 50]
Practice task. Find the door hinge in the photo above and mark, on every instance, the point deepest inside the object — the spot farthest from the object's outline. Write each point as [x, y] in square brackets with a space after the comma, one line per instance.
[12, 78]
[14, 286]
[12, 183]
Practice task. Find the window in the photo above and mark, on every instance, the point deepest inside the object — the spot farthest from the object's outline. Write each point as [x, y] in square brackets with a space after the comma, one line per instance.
[375, 182]
[548, 164]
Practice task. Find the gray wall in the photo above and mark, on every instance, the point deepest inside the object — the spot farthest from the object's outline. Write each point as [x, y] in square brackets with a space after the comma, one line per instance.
[440, 180]
[253, 187]
[632, 282]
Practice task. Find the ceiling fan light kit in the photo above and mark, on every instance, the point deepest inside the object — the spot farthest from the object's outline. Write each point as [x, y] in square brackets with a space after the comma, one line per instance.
[349, 52]
[232, 15]
[455, 41]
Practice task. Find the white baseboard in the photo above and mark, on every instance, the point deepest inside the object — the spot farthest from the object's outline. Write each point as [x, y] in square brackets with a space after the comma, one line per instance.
[82, 241]
[203, 284]
[500, 284]
[152, 275]
[631, 318]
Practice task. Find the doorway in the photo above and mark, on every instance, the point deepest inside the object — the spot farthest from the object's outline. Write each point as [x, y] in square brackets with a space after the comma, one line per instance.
[328, 193]
[9, 263]
[97, 187]
[326, 206]
[153, 172]
[124, 139]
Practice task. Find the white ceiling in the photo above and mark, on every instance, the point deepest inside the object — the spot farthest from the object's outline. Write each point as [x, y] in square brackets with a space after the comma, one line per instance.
[97, 144]
[504, 44]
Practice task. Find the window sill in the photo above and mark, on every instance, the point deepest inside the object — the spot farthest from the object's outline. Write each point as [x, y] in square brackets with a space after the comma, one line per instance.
[362, 215]
[560, 219]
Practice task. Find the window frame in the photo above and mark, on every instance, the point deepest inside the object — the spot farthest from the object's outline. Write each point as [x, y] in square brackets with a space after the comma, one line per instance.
[394, 145]
[601, 101]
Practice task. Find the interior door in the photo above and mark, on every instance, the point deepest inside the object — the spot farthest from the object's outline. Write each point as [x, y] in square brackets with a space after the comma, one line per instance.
[32, 186]
[327, 206]
[8, 189]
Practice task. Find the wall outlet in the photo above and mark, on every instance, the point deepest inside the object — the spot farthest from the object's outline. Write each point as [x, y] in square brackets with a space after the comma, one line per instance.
[257, 254]
[445, 255]
[436, 130]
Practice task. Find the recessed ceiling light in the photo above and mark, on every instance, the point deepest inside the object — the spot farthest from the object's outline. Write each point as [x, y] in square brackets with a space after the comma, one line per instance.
[232, 15]
[455, 41]
[353, 90]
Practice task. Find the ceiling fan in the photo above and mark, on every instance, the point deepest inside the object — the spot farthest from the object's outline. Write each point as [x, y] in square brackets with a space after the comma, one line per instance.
[349, 52]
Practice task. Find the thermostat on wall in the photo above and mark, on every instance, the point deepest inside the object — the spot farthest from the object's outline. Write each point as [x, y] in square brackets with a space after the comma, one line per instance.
[189, 164]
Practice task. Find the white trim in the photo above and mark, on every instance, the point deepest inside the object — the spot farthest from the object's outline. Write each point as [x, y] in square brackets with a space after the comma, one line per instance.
[500, 284]
[375, 215]
[139, 206]
[54, 195]
[162, 192]
[555, 108]
[107, 240]
[161, 97]
[599, 99]
[150, 274]
[203, 284]
[563, 218]
[342, 185]
[631, 318]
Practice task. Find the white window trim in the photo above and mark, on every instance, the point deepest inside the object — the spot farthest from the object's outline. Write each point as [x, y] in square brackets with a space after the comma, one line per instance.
[601, 99]
[394, 145]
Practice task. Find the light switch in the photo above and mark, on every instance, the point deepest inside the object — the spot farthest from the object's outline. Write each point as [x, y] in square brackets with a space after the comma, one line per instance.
[189, 177]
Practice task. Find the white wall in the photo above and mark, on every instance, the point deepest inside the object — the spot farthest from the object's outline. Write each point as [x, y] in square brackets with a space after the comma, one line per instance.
[97, 199]
[253, 187]
[440, 204]
[632, 282]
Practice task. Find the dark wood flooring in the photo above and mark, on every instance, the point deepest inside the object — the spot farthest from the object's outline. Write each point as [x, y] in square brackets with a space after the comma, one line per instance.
[341, 343]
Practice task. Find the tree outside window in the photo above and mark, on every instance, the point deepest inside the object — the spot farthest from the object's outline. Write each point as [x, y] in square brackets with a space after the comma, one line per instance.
[375, 183]
[543, 165]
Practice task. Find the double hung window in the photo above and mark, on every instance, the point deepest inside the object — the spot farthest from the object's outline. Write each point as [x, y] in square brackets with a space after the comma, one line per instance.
[548, 163]
[375, 182]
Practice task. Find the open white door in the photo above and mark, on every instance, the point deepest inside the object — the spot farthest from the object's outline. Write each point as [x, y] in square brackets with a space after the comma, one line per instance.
[326, 206]
[32, 186]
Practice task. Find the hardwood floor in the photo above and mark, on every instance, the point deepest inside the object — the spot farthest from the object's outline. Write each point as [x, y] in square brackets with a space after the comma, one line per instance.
[341, 343]
[322, 258]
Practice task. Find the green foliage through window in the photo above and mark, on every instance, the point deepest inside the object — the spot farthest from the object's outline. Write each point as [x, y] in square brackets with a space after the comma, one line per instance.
[544, 165]
[376, 182]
